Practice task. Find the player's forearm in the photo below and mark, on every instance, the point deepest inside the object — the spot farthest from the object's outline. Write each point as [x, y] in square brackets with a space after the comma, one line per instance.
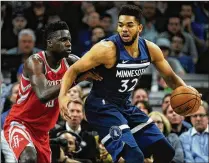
[67, 81]
[47, 94]
[174, 81]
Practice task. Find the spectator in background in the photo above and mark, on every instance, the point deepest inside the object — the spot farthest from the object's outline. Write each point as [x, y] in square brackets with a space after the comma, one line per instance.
[177, 44]
[203, 61]
[176, 121]
[195, 140]
[144, 106]
[201, 13]
[26, 43]
[6, 16]
[165, 127]
[37, 18]
[76, 92]
[165, 45]
[188, 21]
[189, 24]
[84, 35]
[106, 22]
[76, 113]
[71, 147]
[114, 11]
[97, 35]
[148, 21]
[53, 18]
[87, 8]
[139, 94]
[166, 101]
[11, 100]
[173, 28]
[9, 37]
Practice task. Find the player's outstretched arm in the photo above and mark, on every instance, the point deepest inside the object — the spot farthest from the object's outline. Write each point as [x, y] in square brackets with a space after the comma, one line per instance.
[34, 69]
[89, 75]
[171, 79]
[99, 54]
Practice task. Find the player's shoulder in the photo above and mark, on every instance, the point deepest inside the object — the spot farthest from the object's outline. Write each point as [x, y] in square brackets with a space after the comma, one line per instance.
[105, 45]
[154, 50]
[151, 45]
[34, 58]
[72, 59]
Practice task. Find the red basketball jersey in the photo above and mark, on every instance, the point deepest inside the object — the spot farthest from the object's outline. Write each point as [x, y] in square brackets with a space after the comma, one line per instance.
[28, 110]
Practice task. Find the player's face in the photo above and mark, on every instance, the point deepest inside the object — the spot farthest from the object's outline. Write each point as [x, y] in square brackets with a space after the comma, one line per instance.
[200, 120]
[128, 29]
[61, 43]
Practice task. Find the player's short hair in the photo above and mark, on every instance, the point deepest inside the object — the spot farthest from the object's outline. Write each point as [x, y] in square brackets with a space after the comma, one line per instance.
[52, 27]
[131, 10]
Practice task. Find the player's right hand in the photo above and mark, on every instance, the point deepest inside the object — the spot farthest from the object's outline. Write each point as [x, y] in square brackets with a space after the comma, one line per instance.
[63, 106]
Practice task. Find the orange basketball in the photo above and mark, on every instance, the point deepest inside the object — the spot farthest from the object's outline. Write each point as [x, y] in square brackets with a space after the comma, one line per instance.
[185, 100]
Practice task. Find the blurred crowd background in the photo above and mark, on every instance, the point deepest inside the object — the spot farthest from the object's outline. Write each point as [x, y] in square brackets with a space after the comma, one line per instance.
[180, 29]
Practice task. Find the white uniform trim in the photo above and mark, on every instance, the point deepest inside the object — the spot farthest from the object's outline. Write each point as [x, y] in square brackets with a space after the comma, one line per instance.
[125, 126]
[107, 137]
[6, 148]
[141, 65]
[140, 126]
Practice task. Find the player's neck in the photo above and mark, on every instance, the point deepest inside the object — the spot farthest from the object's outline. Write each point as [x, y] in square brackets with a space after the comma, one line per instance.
[51, 60]
[133, 49]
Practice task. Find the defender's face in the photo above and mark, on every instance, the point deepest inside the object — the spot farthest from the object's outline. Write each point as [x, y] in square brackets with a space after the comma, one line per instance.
[61, 42]
[128, 28]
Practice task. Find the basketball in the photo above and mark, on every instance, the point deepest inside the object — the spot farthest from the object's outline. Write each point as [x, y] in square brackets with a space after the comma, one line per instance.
[185, 100]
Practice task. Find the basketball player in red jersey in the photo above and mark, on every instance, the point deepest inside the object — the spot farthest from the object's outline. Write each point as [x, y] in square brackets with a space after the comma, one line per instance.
[25, 136]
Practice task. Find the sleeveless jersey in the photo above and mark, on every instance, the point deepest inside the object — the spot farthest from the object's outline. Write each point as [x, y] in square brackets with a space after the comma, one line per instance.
[120, 80]
[28, 110]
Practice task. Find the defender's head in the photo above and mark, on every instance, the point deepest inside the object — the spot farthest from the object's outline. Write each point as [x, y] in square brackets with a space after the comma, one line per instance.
[58, 38]
[129, 26]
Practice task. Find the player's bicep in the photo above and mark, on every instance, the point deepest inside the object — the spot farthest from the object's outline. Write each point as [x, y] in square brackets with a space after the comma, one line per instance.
[34, 68]
[159, 61]
[93, 58]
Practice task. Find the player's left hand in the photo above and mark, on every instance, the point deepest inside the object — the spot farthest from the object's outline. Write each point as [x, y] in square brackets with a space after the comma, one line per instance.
[63, 106]
[89, 75]
[200, 95]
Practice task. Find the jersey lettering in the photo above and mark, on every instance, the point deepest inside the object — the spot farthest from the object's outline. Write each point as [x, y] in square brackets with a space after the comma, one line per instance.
[50, 104]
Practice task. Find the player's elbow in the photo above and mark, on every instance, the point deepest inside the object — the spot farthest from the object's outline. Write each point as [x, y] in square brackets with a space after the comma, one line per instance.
[43, 99]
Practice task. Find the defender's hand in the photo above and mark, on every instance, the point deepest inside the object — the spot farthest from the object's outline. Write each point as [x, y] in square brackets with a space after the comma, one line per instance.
[63, 106]
[89, 75]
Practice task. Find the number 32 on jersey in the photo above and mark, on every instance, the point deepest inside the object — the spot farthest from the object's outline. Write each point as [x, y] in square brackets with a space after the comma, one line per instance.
[128, 85]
